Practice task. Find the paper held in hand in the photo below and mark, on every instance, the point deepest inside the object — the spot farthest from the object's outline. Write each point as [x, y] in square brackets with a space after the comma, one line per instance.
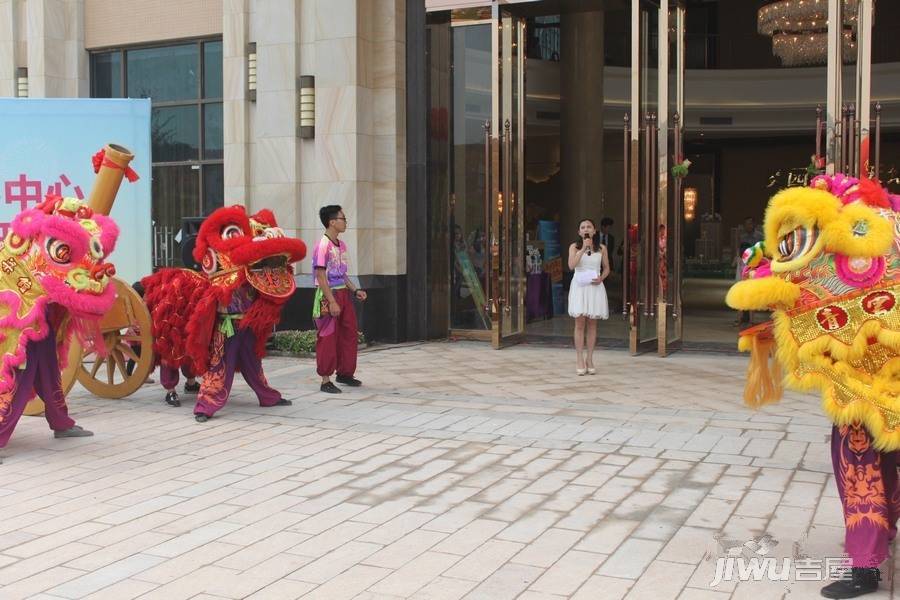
[585, 276]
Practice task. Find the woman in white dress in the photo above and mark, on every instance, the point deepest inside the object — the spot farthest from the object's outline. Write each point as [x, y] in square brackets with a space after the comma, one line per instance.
[587, 296]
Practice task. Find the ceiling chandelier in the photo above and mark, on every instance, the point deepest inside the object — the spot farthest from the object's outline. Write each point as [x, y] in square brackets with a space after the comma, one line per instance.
[799, 30]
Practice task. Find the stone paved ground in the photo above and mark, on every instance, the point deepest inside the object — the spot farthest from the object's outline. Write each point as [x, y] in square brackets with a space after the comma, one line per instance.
[457, 472]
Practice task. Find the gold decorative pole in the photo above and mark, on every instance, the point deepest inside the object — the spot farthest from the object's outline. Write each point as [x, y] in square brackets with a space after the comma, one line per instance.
[111, 165]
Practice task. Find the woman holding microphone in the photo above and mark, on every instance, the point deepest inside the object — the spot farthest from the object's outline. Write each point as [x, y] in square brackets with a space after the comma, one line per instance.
[587, 296]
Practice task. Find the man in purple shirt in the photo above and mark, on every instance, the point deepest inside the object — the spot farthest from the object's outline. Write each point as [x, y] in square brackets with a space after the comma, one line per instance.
[333, 310]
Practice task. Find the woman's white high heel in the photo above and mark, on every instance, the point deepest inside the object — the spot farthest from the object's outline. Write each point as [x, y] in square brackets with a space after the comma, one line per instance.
[581, 371]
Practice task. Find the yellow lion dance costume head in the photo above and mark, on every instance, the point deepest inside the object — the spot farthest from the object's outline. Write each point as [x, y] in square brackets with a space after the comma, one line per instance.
[829, 269]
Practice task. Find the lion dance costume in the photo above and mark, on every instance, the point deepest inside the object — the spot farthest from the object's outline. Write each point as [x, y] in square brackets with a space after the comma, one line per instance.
[217, 321]
[54, 279]
[829, 269]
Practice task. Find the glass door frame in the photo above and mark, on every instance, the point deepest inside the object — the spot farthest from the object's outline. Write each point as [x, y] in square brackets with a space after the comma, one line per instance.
[652, 298]
[504, 148]
[506, 201]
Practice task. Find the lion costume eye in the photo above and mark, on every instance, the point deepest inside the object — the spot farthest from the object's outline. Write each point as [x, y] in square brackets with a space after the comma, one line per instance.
[96, 248]
[58, 251]
[229, 232]
[796, 243]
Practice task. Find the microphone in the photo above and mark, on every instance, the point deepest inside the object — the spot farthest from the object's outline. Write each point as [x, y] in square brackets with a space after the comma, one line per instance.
[587, 236]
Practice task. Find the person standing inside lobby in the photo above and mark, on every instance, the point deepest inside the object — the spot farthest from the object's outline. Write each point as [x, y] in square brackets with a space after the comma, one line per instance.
[747, 236]
[607, 239]
[587, 295]
[333, 312]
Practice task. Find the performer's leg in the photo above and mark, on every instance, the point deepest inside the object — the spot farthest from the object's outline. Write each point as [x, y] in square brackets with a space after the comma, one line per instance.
[863, 476]
[48, 385]
[218, 378]
[326, 350]
[252, 370]
[347, 338]
[168, 376]
[191, 386]
[12, 403]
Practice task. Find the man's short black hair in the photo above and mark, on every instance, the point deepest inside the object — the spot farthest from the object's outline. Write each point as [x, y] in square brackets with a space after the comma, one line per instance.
[328, 213]
[606, 222]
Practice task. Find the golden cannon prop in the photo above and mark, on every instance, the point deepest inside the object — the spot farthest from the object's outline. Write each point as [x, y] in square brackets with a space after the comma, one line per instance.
[126, 327]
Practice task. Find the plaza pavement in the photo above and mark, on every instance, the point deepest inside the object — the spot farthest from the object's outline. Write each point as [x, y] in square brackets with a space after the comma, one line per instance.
[456, 472]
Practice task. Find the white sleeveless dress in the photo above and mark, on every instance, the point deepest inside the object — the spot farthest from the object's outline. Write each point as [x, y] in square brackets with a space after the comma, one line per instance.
[588, 300]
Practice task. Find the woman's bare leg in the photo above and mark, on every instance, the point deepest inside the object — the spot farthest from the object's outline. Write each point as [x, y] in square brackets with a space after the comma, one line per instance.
[579, 341]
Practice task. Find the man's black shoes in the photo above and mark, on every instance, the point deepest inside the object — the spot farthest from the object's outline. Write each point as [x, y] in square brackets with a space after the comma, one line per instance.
[330, 388]
[348, 380]
[862, 581]
[172, 398]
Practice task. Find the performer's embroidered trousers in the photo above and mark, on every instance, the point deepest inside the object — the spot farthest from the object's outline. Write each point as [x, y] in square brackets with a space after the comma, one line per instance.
[41, 374]
[238, 351]
[168, 376]
[867, 484]
[336, 351]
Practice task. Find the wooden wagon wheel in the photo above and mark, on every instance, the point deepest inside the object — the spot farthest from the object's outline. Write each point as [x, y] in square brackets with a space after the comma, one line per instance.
[127, 335]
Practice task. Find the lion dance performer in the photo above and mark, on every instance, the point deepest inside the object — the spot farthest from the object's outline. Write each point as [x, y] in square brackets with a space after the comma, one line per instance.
[829, 269]
[215, 322]
[54, 279]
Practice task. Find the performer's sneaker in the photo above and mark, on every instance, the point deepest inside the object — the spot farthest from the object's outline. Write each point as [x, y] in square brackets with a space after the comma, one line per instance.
[172, 398]
[349, 380]
[73, 431]
[862, 581]
[201, 418]
[192, 388]
[330, 388]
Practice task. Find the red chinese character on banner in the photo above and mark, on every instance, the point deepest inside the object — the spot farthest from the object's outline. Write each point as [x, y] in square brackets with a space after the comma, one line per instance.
[67, 182]
[23, 190]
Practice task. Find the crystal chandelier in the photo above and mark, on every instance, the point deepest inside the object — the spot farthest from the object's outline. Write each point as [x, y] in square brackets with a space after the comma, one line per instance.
[799, 30]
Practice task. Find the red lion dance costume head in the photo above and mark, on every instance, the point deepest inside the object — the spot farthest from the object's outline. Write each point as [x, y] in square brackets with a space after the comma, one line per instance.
[247, 277]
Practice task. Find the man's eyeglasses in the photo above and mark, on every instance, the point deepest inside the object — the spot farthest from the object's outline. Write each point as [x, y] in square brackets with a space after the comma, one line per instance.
[344, 219]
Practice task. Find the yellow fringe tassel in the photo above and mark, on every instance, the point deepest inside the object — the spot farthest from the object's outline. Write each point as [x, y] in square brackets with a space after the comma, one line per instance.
[764, 376]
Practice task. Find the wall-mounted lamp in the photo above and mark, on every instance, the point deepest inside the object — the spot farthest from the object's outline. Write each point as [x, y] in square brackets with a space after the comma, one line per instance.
[251, 71]
[22, 82]
[690, 204]
[307, 107]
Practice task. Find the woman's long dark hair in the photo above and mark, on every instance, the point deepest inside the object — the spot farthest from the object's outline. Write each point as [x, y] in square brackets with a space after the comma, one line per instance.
[596, 239]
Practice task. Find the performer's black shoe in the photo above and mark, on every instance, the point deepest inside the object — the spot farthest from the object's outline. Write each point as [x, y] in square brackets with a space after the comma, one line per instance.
[201, 418]
[172, 398]
[283, 402]
[330, 388]
[192, 388]
[129, 367]
[349, 380]
[73, 431]
[862, 581]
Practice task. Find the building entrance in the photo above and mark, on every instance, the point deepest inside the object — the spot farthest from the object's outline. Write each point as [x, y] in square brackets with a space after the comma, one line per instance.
[546, 113]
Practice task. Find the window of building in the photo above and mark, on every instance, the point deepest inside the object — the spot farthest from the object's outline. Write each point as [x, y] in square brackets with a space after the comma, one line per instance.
[184, 84]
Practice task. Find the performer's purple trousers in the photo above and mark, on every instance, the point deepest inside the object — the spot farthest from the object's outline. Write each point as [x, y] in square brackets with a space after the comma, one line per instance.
[867, 483]
[238, 351]
[41, 374]
[168, 376]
